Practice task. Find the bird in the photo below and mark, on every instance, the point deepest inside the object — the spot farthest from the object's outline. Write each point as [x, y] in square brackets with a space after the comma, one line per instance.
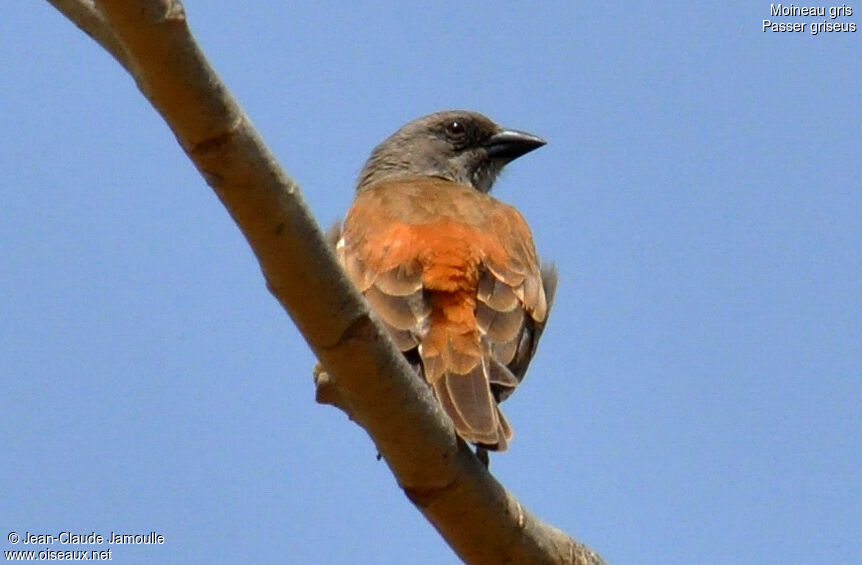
[451, 272]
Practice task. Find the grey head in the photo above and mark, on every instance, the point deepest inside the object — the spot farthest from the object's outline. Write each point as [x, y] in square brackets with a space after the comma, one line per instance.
[458, 145]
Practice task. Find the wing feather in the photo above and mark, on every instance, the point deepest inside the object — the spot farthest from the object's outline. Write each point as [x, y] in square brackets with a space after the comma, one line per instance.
[423, 249]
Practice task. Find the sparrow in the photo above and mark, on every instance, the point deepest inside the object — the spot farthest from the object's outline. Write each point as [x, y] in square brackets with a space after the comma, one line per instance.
[450, 271]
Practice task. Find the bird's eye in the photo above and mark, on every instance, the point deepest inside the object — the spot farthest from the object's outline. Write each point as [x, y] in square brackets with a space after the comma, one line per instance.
[455, 128]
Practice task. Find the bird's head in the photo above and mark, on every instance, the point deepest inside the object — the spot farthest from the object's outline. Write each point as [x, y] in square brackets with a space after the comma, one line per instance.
[457, 145]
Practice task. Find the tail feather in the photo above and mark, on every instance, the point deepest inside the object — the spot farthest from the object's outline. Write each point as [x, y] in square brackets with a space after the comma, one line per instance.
[473, 401]
[468, 400]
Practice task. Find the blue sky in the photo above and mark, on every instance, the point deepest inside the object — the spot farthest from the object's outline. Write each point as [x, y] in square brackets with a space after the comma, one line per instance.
[696, 395]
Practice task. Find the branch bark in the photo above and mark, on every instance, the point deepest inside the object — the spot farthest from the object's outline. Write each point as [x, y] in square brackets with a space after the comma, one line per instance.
[367, 376]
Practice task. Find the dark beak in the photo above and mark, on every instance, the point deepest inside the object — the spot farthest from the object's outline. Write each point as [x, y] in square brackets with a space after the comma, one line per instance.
[510, 144]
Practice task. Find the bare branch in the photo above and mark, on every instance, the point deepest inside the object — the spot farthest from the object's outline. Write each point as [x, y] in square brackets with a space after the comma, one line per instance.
[367, 377]
[90, 20]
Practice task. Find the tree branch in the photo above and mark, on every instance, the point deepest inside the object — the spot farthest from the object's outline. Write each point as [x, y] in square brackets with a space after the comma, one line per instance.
[366, 375]
[90, 20]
